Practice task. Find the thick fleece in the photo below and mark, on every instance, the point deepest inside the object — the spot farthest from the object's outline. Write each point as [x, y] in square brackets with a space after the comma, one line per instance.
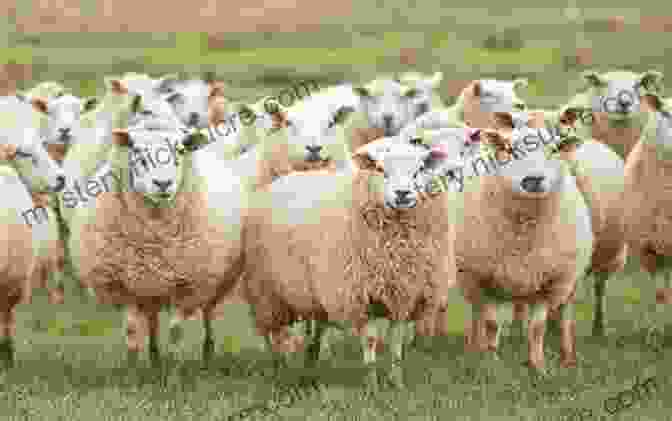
[362, 253]
[186, 254]
[647, 204]
[530, 256]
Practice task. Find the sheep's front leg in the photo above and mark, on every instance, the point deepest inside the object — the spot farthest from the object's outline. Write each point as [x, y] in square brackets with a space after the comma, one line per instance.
[567, 334]
[535, 336]
[396, 338]
[153, 324]
[368, 334]
[7, 330]
[600, 302]
[520, 317]
[208, 340]
[664, 291]
[176, 330]
[658, 268]
[136, 331]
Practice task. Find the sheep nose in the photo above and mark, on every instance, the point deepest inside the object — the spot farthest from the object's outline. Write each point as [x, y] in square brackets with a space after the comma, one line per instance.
[402, 195]
[533, 184]
[387, 120]
[313, 153]
[162, 185]
[64, 130]
[193, 119]
[60, 180]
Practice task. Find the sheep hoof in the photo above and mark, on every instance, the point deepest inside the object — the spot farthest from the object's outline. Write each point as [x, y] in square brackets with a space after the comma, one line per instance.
[568, 362]
[537, 370]
[7, 352]
[395, 377]
[176, 334]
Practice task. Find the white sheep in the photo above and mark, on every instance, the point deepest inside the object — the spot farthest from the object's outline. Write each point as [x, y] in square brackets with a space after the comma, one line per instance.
[192, 99]
[32, 248]
[539, 244]
[477, 106]
[615, 106]
[429, 98]
[160, 237]
[646, 205]
[379, 243]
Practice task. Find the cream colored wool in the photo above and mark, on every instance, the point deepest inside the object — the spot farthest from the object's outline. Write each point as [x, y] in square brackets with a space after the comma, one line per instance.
[376, 254]
[647, 204]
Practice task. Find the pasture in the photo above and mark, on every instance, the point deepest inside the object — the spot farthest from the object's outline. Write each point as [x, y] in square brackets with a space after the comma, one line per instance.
[71, 358]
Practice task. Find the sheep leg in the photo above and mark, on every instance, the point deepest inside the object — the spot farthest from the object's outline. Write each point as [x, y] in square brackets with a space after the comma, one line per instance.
[396, 337]
[491, 327]
[208, 340]
[315, 335]
[153, 325]
[136, 330]
[663, 266]
[567, 335]
[535, 336]
[176, 330]
[520, 317]
[369, 340]
[7, 330]
[600, 302]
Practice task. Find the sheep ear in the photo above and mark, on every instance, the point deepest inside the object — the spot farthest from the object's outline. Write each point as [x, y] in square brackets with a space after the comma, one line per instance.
[90, 103]
[593, 78]
[476, 88]
[411, 92]
[39, 105]
[367, 157]
[343, 113]
[121, 137]
[173, 96]
[216, 89]
[491, 137]
[167, 83]
[651, 80]
[436, 79]
[361, 91]
[116, 86]
[520, 83]
[7, 152]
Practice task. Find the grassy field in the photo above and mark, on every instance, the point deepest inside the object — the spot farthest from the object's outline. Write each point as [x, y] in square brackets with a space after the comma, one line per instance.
[71, 358]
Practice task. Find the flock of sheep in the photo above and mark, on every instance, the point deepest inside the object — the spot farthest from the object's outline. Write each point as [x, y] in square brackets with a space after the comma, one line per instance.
[358, 202]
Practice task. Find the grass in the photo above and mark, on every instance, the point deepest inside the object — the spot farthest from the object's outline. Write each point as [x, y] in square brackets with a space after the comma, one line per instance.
[71, 365]
[71, 359]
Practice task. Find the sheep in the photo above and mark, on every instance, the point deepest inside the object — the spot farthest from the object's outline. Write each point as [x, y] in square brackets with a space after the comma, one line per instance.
[384, 107]
[31, 249]
[524, 209]
[428, 86]
[646, 206]
[394, 247]
[62, 114]
[192, 99]
[475, 107]
[618, 103]
[159, 237]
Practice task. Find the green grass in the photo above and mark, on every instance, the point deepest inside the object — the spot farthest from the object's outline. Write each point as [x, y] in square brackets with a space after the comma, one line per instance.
[71, 365]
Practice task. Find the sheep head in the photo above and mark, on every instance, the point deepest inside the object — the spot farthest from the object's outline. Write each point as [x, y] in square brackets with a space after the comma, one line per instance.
[619, 94]
[402, 169]
[388, 104]
[497, 95]
[154, 161]
[428, 87]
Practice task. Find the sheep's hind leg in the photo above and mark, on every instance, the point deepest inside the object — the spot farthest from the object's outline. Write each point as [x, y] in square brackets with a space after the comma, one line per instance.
[519, 323]
[535, 337]
[369, 340]
[7, 328]
[600, 302]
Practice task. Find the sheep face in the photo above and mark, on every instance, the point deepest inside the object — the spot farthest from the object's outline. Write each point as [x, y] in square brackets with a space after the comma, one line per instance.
[190, 101]
[318, 140]
[618, 94]
[499, 95]
[20, 141]
[62, 114]
[404, 169]
[388, 105]
[524, 171]
[426, 86]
